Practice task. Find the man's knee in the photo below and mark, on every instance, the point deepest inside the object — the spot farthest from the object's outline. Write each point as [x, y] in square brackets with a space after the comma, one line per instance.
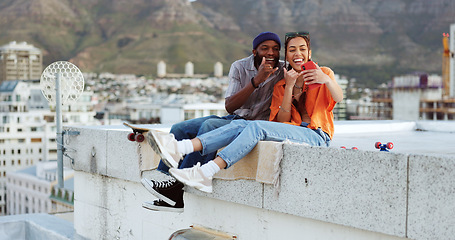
[178, 129]
[212, 124]
[188, 129]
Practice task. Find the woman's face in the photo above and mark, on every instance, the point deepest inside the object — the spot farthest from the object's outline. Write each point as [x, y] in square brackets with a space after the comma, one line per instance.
[297, 53]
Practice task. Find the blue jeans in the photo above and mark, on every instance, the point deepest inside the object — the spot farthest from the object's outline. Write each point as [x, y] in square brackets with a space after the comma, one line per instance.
[241, 136]
[189, 129]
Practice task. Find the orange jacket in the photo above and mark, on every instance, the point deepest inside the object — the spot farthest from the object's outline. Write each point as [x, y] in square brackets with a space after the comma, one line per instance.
[319, 105]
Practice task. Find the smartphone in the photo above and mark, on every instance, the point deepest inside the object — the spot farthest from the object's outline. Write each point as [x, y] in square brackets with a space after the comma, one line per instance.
[310, 65]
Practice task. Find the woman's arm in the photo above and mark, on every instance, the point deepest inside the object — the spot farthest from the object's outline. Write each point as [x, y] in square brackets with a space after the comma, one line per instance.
[313, 76]
[284, 115]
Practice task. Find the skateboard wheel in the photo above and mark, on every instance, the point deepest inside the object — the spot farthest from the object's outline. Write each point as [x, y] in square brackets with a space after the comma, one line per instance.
[377, 145]
[343, 147]
[389, 145]
[140, 138]
[355, 148]
[131, 137]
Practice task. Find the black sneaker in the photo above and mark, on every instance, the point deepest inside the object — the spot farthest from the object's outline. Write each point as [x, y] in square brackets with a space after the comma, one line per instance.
[160, 205]
[170, 191]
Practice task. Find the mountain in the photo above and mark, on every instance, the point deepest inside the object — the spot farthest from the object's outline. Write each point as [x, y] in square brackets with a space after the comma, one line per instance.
[369, 40]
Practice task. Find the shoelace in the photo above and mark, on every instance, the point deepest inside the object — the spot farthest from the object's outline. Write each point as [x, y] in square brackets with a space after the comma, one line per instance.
[163, 184]
[194, 172]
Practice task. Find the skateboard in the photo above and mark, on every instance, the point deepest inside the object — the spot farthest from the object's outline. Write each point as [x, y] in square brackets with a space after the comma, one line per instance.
[137, 134]
[383, 147]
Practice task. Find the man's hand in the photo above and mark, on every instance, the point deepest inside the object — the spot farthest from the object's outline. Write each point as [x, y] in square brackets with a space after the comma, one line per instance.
[264, 71]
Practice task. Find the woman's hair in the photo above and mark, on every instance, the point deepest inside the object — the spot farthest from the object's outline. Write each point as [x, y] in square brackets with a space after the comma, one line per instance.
[306, 36]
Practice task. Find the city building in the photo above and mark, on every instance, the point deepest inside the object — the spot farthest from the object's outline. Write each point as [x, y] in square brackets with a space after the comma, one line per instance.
[20, 61]
[339, 112]
[34, 190]
[419, 96]
[28, 130]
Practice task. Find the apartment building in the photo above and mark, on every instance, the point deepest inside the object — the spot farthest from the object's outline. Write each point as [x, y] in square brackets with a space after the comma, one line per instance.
[34, 190]
[28, 130]
[20, 61]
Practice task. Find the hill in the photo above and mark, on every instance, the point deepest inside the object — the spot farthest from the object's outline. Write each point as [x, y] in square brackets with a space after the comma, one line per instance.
[369, 40]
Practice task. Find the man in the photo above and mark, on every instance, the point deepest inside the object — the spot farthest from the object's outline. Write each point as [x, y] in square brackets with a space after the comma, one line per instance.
[248, 96]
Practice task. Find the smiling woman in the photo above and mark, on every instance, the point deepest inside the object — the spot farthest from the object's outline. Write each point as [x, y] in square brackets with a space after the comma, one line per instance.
[298, 114]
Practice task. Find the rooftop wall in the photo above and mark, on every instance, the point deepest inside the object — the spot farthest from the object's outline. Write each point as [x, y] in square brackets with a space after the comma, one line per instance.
[325, 193]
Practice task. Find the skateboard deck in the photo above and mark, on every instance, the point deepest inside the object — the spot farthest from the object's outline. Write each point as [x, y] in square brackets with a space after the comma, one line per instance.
[138, 132]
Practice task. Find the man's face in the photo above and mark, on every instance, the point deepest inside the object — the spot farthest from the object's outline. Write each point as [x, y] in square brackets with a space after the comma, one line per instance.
[268, 49]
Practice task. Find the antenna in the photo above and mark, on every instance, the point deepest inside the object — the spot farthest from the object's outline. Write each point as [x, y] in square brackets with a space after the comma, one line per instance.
[61, 82]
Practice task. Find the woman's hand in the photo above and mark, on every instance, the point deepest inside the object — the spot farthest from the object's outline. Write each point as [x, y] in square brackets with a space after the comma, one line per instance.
[291, 77]
[312, 76]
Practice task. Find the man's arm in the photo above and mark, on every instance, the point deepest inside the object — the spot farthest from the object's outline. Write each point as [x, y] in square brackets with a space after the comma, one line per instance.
[237, 100]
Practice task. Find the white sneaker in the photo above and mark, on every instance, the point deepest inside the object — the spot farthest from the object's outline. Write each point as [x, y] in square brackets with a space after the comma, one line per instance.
[165, 145]
[193, 177]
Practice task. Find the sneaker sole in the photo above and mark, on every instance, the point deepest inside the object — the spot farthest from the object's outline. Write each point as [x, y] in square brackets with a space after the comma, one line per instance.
[156, 146]
[198, 186]
[147, 185]
[153, 207]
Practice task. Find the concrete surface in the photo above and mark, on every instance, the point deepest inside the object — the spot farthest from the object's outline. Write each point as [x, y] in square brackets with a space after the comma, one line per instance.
[357, 194]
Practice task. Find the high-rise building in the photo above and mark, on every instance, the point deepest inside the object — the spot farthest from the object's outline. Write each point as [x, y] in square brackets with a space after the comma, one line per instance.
[28, 130]
[20, 61]
[35, 190]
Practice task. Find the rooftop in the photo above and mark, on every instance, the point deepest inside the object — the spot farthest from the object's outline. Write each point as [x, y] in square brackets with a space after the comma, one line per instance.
[341, 194]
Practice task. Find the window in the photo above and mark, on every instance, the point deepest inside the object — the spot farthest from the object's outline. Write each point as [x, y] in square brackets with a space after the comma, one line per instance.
[190, 114]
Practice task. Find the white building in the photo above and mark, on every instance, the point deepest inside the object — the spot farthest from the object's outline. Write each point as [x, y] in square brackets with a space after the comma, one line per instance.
[161, 69]
[20, 61]
[33, 190]
[218, 69]
[27, 127]
[147, 111]
[340, 108]
[189, 69]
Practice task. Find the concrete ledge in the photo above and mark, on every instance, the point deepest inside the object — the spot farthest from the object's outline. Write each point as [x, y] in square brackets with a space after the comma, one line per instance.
[431, 208]
[384, 194]
[365, 190]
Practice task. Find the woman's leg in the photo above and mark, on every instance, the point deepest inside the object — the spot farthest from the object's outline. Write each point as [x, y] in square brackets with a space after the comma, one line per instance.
[200, 177]
[257, 131]
[220, 137]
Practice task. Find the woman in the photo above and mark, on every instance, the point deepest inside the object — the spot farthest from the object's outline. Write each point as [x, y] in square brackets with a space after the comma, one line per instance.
[299, 113]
